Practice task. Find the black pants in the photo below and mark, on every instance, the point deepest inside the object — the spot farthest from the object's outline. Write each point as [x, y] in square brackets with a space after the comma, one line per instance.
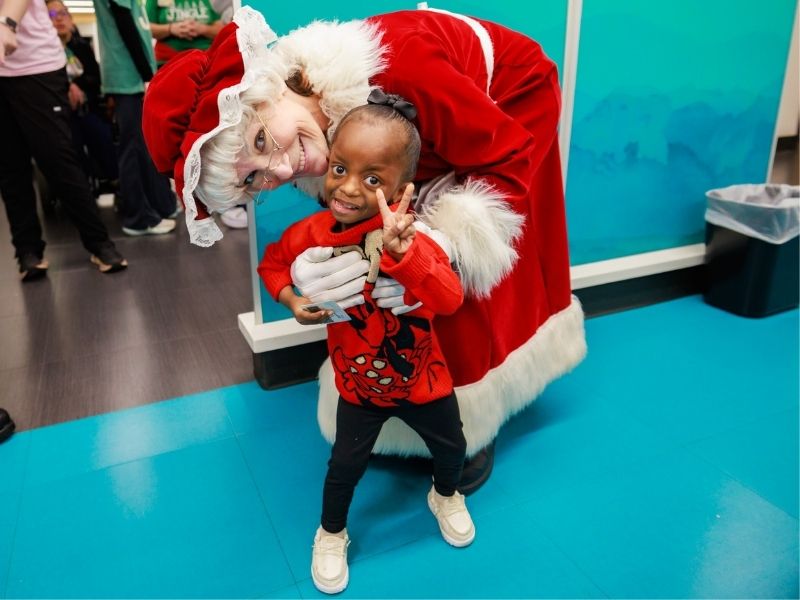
[94, 144]
[438, 423]
[34, 123]
[146, 197]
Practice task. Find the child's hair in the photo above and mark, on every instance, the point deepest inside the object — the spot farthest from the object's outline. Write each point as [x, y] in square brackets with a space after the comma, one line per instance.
[384, 113]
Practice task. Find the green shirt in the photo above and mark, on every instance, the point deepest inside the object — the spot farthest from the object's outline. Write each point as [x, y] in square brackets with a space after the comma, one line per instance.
[119, 74]
[164, 12]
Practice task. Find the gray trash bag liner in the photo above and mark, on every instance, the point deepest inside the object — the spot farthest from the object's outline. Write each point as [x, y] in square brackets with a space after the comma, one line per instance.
[768, 212]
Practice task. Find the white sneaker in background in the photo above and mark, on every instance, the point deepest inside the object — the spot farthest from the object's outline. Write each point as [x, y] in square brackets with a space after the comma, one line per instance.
[235, 218]
[329, 569]
[165, 226]
[105, 201]
[454, 521]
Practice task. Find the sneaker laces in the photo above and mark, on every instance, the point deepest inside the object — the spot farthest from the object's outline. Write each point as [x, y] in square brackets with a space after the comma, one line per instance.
[331, 545]
[450, 505]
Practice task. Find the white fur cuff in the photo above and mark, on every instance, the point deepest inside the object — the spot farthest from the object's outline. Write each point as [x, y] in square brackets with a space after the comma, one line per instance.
[482, 229]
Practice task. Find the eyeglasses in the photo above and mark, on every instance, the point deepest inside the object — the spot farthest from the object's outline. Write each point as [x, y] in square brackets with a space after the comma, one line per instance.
[274, 159]
[58, 13]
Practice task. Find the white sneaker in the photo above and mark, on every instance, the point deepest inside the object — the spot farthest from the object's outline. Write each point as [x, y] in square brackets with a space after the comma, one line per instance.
[105, 201]
[454, 520]
[165, 226]
[329, 561]
[235, 218]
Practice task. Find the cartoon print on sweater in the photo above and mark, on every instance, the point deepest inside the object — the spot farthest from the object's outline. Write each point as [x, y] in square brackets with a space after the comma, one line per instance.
[399, 347]
[398, 355]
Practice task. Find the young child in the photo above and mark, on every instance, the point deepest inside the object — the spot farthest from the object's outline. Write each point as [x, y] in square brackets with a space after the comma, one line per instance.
[386, 365]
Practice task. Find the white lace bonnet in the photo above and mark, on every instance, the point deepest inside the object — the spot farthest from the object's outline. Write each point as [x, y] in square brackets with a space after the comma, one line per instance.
[195, 96]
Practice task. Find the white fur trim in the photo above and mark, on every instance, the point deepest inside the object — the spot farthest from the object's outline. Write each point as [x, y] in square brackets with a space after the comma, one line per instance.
[482, 230]
[556, 348]
[338, 59]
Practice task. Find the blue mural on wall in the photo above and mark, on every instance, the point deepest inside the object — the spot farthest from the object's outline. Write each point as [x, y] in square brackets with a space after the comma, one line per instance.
[673, 99]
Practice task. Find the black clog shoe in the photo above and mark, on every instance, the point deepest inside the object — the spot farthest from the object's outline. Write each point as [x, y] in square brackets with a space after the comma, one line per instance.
[6, 425]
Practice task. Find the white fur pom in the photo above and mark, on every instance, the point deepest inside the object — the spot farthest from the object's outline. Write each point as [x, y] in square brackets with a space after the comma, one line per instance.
[482, 230]
[338, 58]
[556, 348]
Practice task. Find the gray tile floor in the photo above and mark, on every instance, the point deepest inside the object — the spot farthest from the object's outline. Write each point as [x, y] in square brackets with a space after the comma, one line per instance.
[80, 343]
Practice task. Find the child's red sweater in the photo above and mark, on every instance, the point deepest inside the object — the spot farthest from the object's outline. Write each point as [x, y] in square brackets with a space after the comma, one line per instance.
[379, 359]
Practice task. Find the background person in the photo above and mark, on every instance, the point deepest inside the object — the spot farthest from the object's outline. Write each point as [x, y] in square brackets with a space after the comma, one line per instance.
[127, 62]
[489, 179]
[179, 25]
[91, 128]
[34, 123]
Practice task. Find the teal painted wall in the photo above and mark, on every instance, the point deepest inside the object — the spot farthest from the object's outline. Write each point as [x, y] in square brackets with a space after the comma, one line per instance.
[673, 98]
[543, 20]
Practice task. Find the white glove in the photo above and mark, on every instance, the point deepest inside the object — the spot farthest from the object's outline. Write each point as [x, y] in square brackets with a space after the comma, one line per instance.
[437, 236]
[388, 293]
[320, 276]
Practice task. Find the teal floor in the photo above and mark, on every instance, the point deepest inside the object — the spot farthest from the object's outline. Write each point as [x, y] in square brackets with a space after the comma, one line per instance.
[666, 465]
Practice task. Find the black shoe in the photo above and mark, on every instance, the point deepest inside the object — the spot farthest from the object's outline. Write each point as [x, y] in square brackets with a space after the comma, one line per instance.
[6, 425]
[477, 470]
[108, 259]
[32, 266]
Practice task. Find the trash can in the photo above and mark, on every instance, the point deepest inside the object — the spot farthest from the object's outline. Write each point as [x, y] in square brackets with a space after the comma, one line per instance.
[752, 248]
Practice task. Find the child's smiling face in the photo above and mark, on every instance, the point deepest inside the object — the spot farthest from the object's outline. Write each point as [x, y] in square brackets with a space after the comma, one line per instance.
[366, 156]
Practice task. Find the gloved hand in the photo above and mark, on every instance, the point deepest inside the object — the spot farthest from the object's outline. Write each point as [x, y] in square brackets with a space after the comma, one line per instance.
[388, 293]
[320, 276]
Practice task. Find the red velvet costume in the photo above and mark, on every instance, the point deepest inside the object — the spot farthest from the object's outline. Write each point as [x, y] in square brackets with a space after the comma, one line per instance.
[507, 139]
[379, 358]
[503, 210]
[489, 178]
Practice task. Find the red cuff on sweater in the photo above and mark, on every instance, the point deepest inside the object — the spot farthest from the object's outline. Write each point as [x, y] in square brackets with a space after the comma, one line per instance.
[416, 264]
[275, 281]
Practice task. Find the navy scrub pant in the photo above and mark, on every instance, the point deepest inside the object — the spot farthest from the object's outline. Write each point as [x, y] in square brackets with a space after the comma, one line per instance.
[145, 194]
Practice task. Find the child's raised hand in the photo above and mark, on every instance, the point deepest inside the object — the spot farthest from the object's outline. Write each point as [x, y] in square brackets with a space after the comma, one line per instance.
[398, 226]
